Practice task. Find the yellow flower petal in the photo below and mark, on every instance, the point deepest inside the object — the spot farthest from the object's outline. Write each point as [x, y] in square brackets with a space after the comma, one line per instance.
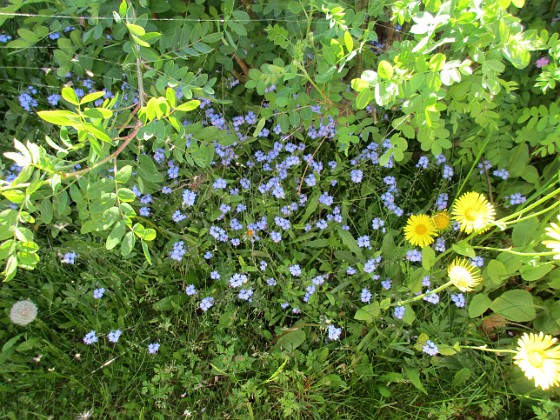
[553, 232]
[420, 230]
[538, 360]
[464, 275]
[473, 212]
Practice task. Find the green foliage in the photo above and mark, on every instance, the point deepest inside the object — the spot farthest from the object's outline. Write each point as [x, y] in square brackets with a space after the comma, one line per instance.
[114, 112]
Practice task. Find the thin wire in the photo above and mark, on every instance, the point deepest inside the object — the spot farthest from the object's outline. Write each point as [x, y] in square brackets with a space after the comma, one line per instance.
[221, 20]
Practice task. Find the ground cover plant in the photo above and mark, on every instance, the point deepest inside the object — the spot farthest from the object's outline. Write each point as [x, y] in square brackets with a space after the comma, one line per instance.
[280, 209]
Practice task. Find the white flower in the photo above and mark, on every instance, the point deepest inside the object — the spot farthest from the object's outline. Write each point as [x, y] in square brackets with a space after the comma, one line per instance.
[23, 312]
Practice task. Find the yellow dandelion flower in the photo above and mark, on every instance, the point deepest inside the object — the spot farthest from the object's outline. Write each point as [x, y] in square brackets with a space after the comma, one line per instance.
[441, 220]
[420, 230]
[473, 211]
[538, 360]
[553, 232]
[464, 275]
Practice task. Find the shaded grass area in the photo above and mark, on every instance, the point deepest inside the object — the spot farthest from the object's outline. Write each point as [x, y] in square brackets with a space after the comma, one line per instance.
[216, 365]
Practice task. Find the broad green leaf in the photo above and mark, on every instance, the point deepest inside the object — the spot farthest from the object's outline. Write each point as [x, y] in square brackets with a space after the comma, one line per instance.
[15, 196]
[529, 273]
[123, 174]
[428, 258]
[99, 133]
[385, 69]
[60, 117]
[203, 155]
[414, 376]
[148, 170]
[348, 41]
[188, 106]
[524, 232]
[126, 195]
[116, 235]
[291, 340]
[497, 271]
[479, 304]
[11, 268]
[170, 302]
[350, 242]
[364, 98]
[515, 305]
[463, 248]
[127, 245]
[92, 97]
[368, 313]
[149, 234]
[69, 95]
[135, 29]
[100, 113]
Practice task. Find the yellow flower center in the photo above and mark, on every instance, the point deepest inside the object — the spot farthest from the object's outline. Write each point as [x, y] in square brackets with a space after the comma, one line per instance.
[420, 229]
[441, 220]
[471, 215]
[536, 359]
[460, 276]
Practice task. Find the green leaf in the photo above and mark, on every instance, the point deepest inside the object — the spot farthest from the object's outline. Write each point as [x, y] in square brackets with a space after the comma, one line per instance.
[428, 258]
[99, 113]
[127, 244]
[116, 235]
[11, 268]
[150, 234]
[60, 117]
[385, 69]
[497, 271]
[363, 98]
[15, 196]
[188, 106]
[350, 242]
[524, 232]
[348, 41]
[123, 174]
[19, 44]
[529, 273]
[99, 133]
[146, 252]
[69, 95]
[368, 313]
[135, 29]
[126, 195]
[139, 41]
[292, 340]
[515, 305]
[92, 97]
[414, 376]
[170, 302]
[148, 170]
[479, 304]
[463, 248]
[203, 155]
[259, 127]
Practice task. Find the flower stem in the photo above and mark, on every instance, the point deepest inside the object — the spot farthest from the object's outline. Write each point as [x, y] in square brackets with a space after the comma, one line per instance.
[511, 251]
[532, 206]
[485, 348]
[423, 295]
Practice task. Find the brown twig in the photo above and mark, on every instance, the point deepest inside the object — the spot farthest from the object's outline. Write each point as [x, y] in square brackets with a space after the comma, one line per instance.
[117, 152]
[242, 64]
